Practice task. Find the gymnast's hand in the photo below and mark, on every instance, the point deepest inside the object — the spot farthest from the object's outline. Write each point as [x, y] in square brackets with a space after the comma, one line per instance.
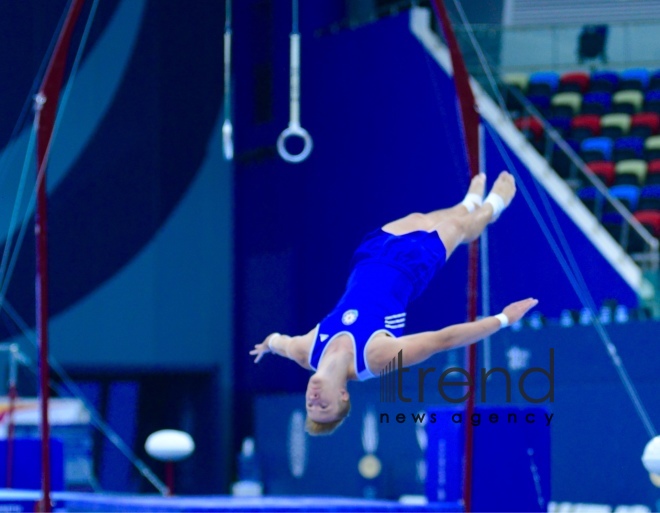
[516, 311]
[261, 349]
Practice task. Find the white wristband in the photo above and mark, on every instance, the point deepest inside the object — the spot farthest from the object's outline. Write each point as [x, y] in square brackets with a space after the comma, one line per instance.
[271, 338]
[504, 320]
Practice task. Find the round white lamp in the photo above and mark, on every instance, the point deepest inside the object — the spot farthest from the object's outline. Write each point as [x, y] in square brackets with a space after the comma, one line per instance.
[651, 460]
[651, 456]
[169, 445]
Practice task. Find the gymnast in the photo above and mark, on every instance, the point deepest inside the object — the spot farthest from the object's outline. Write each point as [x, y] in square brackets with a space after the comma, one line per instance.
[392, 266]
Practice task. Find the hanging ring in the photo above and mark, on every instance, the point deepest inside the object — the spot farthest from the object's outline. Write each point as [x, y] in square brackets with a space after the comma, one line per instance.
[227, 140]
[294, 130]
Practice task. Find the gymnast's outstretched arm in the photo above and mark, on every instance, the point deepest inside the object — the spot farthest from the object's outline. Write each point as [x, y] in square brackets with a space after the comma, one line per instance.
[294, 348]
[418, 347]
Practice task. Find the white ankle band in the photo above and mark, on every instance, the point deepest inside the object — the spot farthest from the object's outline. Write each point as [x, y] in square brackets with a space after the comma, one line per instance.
[472, 201]
[497, 203]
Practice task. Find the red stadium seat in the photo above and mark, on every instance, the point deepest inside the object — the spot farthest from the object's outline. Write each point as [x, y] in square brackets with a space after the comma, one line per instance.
[650, 219]
[585, 125]
[653, 173]
[529, 124]
[603, 170]
[645, 124]
[576, 81]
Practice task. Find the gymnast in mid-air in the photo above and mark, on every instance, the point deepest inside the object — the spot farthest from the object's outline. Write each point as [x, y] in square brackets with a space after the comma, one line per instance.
[392, 266]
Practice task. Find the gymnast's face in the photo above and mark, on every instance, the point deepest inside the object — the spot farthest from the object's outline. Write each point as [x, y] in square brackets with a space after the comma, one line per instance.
[323, 401]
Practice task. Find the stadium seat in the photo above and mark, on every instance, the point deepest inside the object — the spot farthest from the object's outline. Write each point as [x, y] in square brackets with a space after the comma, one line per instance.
[652, 147]
[585, 125]
[561, 162]
[597, 103]
[652, 101]
[574, 82]
[650, 220]
[592, 199]
[628, 101]
[649, 198]
[566, 104]
[653, 173]
[645, 124]
[614, 125]
[630, 172]
[603, 170]
[603, 82]
[541, 102]
[530, 126]
[654, 82]
[612, 222]
[519, 82]
[626, 148]
[596, 148]
[635, 78]
[562, 124]
[543, 83]
[628, 195]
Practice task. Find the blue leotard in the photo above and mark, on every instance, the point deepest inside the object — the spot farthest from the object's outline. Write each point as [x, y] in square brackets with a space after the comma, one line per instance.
[387, 272]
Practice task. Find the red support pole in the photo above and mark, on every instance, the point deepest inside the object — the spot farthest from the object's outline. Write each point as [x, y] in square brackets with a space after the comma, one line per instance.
[46, 111]
[169, 477]
[470, 124]
[11, 427]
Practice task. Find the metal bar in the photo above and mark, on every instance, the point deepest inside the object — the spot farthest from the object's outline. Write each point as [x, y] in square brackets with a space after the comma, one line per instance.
[46, 110]
[470, 127]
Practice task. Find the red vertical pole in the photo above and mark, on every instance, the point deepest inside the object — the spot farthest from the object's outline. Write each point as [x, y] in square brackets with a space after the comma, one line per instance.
[46, 111]
[13, 394]
[469, 118]
[169, 477]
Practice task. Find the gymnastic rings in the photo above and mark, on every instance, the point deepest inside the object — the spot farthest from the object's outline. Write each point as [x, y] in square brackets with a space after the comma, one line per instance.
[227, 127]
[294, 129]
[227, 139]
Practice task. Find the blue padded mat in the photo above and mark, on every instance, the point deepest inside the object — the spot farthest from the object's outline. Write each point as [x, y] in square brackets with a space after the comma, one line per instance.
[79, 502]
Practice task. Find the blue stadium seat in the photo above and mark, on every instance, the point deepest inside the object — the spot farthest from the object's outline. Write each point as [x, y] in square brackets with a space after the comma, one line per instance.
[652, 101]
[561, 123]
[654, 82]
[649, 198]
[603, 81]
[635, 78]
[628, 148]
[596, 148]
[541, 102]
[599, 103]
[543, 83]
[560, 162]
[612, 220]
[592, 199]
[626, 194]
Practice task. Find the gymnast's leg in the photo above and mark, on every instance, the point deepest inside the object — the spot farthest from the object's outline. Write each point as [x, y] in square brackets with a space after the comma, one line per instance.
[427, 222]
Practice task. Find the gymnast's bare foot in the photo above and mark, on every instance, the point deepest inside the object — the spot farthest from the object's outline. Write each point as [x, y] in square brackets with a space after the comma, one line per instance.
[478, 185]
[501, 195]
